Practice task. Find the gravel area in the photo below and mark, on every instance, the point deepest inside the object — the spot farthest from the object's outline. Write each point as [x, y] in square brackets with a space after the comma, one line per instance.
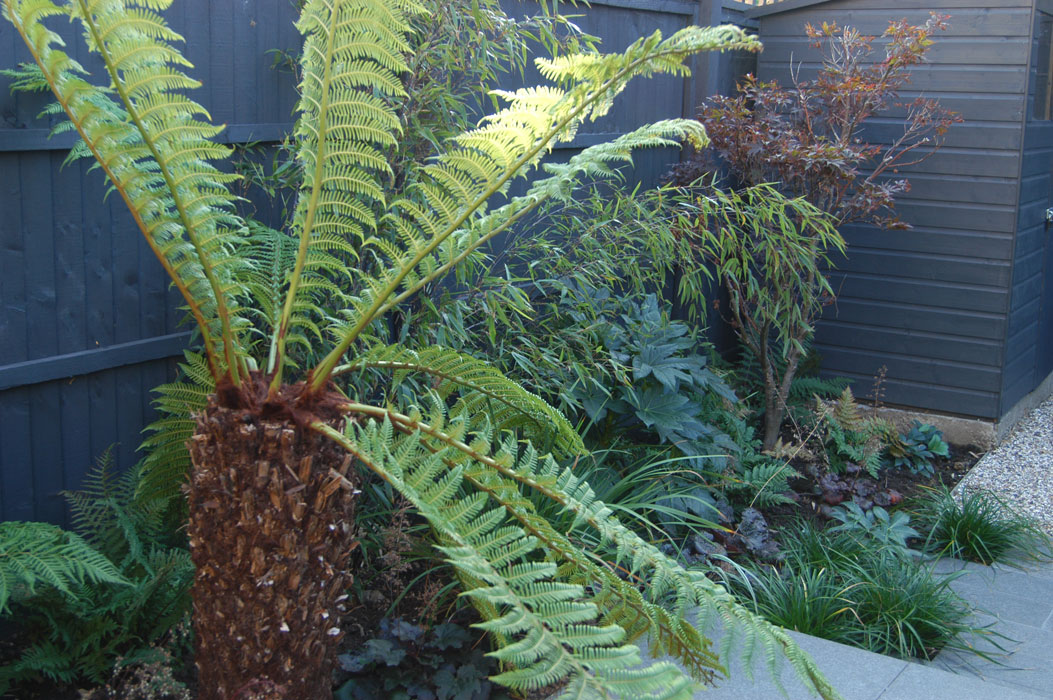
[1020, 469]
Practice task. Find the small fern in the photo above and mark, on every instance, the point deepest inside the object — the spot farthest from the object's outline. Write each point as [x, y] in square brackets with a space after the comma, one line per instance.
[123, 587]
[38, 556]
[764, 485]
[849, 436]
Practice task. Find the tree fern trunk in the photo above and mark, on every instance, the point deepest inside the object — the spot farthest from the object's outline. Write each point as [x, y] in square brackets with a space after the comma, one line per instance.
[270, 533]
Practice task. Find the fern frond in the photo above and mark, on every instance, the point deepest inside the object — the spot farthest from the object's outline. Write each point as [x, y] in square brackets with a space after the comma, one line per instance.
[167, 460]
[666, 579]
[39, 554]
[150, 141]
[482, 389]
[352, 58]
[766, 483]
[551, 632]
[425, 258]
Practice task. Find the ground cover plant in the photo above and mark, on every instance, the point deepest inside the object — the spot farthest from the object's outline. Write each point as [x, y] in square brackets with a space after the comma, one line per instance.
[276, 452]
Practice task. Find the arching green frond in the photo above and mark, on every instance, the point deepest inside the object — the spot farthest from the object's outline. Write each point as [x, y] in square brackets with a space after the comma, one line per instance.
[167, 460]
[153, 145]
[39, 554]
[550, 631]
[352, 58]
[431, 252]
[482, 390]
[667, 582]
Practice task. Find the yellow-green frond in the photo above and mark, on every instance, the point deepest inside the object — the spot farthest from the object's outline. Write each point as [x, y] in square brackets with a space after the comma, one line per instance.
[669, 585]
[153, 145]
[481, 390]
[352, 59]
[550, 633]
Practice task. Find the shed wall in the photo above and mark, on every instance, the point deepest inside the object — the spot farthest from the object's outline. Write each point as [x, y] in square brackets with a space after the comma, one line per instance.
[1027, 351]
[930, 304]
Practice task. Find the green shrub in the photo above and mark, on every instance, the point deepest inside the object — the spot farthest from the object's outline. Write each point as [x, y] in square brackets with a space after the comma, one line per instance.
[877, 524]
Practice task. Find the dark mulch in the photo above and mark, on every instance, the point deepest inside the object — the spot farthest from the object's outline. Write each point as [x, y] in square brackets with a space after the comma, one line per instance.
[816, 493]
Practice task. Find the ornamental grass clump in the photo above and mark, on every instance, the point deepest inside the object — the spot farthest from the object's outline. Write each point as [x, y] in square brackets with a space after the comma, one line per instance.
[279, 447]
[853, 589]
[979, 526]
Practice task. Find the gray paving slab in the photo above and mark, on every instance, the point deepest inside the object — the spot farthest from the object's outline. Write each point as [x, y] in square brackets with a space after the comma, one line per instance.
[1024, 662]
[856, 674]
[1023, 609]
[1040, 570]
[926, 683]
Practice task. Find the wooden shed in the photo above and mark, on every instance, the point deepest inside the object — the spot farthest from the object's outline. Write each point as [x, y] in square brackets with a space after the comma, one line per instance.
[960, 308]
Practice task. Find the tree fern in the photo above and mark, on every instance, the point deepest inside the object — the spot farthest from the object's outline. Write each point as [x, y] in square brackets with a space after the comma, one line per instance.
[270, 490]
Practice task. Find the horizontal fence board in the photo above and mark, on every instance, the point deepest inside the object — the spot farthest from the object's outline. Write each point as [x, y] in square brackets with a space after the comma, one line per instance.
[877, 287]
[920, 318]
[933, 397]
[961, 50]
[22, 140]
[771, 8]
[874, 19]
[1002, 110]
[88, 361]
[952, 190]
[925, 267]
[954, 242]
[686, 8]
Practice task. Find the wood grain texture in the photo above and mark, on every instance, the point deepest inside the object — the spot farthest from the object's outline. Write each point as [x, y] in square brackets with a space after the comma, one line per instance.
[943, 297]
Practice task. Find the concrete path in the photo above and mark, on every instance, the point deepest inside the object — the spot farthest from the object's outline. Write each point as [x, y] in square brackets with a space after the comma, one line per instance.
[1019, 605]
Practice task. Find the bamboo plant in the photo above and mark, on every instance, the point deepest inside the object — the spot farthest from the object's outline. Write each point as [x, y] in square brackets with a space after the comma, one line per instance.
[277, 451]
